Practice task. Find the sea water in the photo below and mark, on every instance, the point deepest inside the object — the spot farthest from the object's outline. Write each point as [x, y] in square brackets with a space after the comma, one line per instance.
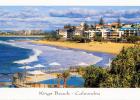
[15, 53]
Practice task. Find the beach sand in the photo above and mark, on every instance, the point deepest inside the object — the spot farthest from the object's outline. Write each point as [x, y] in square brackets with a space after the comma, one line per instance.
[106, 47]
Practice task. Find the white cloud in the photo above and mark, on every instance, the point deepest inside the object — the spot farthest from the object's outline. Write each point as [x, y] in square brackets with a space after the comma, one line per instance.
[33, 17]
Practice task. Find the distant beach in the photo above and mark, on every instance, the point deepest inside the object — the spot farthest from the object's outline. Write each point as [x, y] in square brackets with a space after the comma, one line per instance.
[22, 36]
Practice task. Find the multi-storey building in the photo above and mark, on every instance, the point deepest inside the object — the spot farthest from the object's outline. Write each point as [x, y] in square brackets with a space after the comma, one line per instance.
[89, 34]
[63, 33]
[130, 31]
[108, 31]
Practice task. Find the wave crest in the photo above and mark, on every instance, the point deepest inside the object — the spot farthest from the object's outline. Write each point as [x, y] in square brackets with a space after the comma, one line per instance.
[32, 58]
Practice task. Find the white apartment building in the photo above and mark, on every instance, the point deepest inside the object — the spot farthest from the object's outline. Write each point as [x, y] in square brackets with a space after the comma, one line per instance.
[63, 33]
[105, 32]
[90, 33]
[111, 34]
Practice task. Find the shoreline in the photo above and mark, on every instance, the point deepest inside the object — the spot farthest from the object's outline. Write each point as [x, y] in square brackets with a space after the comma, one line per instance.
[75, 49]
[22, 36]
[101, 47]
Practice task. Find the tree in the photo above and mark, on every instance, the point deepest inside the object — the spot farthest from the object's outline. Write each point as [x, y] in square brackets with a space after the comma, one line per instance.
[67, 26]
[101, 21]
[119, 23]
[124, 72]
[65, 75]
[85, 40]
[94, 76]
[132, 39]
[98, 37]
[81, 70]
[77, 38]
[92, 26]
[80, 39]
[126, 67]
[52, 36]
[59, 76]
[86, 26]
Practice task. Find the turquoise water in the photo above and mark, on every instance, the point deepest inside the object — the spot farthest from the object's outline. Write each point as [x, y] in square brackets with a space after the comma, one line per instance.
[71, 81]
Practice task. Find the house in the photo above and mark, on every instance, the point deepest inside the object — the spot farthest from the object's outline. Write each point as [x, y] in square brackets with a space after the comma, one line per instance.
[97, 26]
[114, 25]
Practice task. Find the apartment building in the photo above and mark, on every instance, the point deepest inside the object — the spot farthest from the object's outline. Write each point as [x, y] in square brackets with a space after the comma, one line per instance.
[130, 31]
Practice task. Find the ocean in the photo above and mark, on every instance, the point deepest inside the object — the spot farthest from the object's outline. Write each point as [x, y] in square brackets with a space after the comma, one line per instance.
[15, 52]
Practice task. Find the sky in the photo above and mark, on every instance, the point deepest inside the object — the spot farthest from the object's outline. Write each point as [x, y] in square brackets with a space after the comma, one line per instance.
[54, 17]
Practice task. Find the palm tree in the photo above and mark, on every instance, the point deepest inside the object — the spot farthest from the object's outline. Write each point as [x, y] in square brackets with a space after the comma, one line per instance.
[81, 70]
[101, 21]
[119, 23]
[59, 76]
[65, 75]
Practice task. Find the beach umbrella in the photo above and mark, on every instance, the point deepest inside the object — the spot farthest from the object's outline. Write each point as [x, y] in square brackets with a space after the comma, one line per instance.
[39, 66]
[26, 67]
[54, 64]
[82, 64]
[36, 72]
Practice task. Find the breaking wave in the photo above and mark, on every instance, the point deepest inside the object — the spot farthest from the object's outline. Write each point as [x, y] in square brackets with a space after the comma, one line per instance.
[32, 58]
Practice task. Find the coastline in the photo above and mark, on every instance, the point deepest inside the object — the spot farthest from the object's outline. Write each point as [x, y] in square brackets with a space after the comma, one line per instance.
[103, 47]
[21, 35]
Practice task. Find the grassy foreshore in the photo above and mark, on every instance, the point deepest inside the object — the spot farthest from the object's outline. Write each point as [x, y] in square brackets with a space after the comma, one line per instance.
[107, 47]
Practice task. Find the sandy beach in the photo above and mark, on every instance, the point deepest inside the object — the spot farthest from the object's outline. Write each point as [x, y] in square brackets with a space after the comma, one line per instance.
[106, 47]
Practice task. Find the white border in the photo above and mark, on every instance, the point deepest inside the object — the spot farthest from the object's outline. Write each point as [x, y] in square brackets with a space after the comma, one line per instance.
[71, 2]
[105, 94]
[33, 94]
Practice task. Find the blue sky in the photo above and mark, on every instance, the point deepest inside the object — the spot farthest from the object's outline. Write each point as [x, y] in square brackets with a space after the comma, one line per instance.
[54, 17]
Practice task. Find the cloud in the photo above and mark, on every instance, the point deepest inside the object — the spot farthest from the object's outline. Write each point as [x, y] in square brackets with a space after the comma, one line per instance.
[73, 13]
[53, 18]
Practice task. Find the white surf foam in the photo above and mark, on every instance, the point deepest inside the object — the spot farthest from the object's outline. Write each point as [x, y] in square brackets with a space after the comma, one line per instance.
[51, 54]
[12, 44]
[32, 58]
